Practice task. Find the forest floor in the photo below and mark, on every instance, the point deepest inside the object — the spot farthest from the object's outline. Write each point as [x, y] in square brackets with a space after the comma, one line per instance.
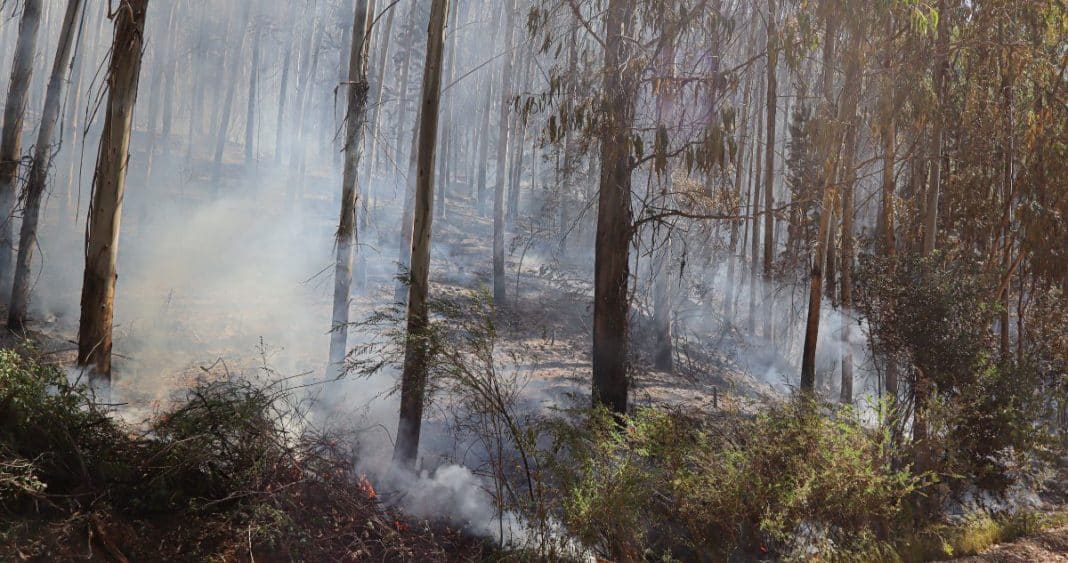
[544, 331]
[1050, 546]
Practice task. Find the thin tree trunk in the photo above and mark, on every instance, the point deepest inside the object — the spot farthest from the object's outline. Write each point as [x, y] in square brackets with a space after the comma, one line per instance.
[769, 175]
[849, 181]
[446, 130]
[886, 209]
[11, 141]
[941, 65]
[662, 306]
[499, 280]
[355, 119]
[253, 83]
[402, 86]
[830, 145]
[42, 158]
[739, 166]
[228, 105]
[413, 379]
[405, 251]
[105, 211]
[380, 76]
[298, 156]
[754, 247]
[283, 89]
[483, 146]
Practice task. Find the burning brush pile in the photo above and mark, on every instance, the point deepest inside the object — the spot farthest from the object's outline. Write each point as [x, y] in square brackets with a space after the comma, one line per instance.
[233, 471]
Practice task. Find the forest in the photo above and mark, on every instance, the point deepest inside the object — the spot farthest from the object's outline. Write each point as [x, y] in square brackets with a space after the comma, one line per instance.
[534, 280]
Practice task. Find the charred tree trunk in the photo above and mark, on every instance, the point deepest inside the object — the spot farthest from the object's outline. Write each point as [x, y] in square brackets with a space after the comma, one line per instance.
[11, 141]
[614, 215]
[105, 211]
[355, 118]
[42, 159]
[413, 379]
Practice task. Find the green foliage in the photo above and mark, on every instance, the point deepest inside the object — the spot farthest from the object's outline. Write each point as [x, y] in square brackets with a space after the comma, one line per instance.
[790, 481]
[935, 319]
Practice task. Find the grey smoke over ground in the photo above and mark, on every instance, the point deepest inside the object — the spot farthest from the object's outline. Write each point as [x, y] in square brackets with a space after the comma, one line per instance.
[235, 272]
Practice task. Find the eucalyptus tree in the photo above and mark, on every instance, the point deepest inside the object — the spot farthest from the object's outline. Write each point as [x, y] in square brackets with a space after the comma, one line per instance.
[416, 352]
[356, 92]
[11, 136]
[38, 178]
[105, 210]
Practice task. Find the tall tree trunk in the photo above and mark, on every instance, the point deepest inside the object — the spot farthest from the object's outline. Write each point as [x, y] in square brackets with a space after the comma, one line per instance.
[519, 146]
[298, 156]
[614, 214]
[446, 130]
[161, 59]
[413, 379]
[404, 259]
[570, 162]
[42, 159]
[665, 115]
[355, 119]
[402, 86]
[283, 89]
[769, 164]
[253, 83]
[483, 146]
[171, 80]
[502, 159]
[941, 66]
[830, 145]
[848, 175]
[923, 386]
[380, 76]
[739, 166]
[754, 247]
[11, 138]
[885, 229]
[236, 62]
[105, 211]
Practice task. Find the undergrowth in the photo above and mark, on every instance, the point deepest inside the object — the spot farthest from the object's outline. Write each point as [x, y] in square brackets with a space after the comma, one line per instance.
[230, 472]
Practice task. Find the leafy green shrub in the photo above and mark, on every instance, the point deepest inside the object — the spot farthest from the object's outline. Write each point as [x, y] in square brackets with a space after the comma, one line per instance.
[790, 481]
[935, 318]
[50, 433]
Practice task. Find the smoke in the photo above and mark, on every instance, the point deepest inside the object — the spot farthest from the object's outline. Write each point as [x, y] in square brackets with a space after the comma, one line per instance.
[232, 268]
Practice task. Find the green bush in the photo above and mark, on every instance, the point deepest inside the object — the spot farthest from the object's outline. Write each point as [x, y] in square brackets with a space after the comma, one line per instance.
[790, 482]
